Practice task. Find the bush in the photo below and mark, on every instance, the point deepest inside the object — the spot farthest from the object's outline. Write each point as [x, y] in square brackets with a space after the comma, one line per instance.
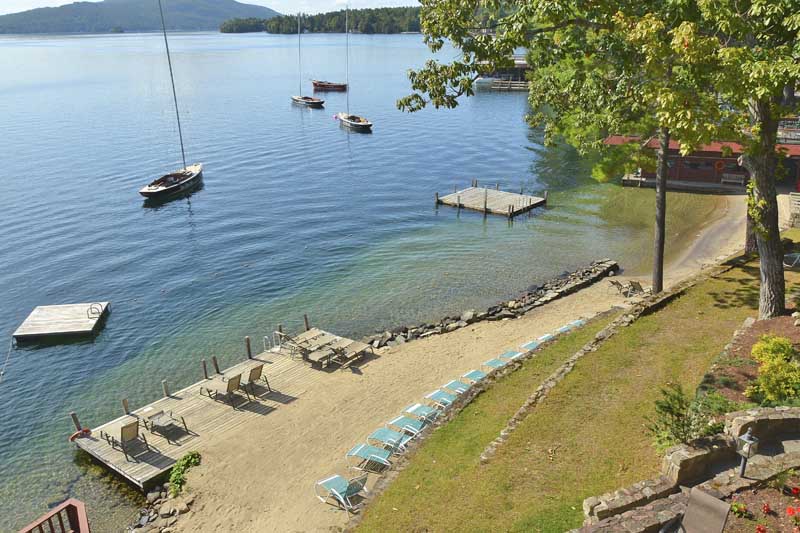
[177, 478]
[778, 372]
[679, 420]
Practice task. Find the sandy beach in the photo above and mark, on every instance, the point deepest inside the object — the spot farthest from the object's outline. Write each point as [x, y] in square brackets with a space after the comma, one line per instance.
[261, 477]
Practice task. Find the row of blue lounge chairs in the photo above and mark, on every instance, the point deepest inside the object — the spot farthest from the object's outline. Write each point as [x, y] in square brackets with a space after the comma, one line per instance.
[393, 438]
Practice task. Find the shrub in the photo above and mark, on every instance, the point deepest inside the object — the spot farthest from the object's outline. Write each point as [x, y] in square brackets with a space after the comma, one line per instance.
[177, 478]
[778, 372]
[679, 420]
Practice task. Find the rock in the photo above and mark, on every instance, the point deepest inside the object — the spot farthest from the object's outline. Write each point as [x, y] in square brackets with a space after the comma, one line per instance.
[611, 273]
[376, 343]
[153, 496]
[481, 316]
[182, 507]
[400, 339]
[143, 521]
[450, 327]
[797, 322]
[385, 338]
[796, 314]
[468, 316]
[166, 510]
[505, 314]
[511, 304]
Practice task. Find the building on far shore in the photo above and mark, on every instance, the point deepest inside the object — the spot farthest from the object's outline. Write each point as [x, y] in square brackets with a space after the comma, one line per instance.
[713, 166]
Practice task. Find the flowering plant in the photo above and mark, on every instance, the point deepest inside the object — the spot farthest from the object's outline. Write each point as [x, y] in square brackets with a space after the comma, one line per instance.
[761, 529]
[739, 509]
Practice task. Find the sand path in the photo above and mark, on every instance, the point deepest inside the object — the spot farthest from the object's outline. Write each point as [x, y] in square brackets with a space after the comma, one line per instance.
[259, 477]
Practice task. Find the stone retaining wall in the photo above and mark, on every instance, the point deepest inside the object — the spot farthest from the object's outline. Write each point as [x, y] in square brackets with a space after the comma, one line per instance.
[531, 299]
[711, 461]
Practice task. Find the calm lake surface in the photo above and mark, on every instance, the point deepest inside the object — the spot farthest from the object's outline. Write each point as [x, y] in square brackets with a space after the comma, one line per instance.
[296, 216]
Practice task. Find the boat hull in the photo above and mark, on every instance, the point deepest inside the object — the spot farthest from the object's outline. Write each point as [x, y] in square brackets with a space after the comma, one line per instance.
[192, 180]
[348, 121]
[328, 86]
[308, 102]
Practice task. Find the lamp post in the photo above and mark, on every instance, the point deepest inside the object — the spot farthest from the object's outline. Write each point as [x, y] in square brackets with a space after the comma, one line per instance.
[747, 447]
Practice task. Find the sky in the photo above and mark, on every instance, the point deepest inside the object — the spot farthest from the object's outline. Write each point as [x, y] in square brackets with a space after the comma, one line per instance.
[282, 6]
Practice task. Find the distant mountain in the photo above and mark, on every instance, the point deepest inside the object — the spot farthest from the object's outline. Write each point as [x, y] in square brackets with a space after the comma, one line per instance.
[130, 15]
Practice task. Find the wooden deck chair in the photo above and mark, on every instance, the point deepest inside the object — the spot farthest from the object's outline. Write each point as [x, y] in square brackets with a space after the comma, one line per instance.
[704, 514]
[128, 440]
[338, 491]
[636, 288]
[621, 288]
[257, 374]
[227, 388]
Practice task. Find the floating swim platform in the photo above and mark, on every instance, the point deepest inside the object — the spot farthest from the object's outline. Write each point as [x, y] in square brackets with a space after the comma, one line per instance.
[63, 321]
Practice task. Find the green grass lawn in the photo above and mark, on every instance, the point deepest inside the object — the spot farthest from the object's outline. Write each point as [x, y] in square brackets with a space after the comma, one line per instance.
[586, 438]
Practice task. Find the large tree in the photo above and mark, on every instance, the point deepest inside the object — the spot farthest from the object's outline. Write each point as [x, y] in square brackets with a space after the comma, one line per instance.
[667, 68]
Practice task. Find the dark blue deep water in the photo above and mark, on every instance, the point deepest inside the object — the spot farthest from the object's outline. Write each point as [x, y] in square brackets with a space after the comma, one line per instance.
[296, 216]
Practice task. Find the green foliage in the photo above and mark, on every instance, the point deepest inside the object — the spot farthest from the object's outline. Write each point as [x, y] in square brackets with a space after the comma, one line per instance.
[779, 481]
[679, 419]
[130, 15]
[778, 373]
[740, 510]
[378, 20]
[248, 25]
[177, 478]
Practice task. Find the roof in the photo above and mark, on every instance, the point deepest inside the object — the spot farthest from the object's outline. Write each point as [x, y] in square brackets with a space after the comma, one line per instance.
[792, 150]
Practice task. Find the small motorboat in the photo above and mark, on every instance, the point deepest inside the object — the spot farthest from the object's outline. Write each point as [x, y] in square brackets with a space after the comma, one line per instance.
[308, 101]
[180, 181]
[354, 122]
[328, 86]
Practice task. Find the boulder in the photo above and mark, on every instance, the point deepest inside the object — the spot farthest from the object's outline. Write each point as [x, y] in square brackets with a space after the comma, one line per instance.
[468, 316]
[451, 327]
[153, 496]
[166, 510]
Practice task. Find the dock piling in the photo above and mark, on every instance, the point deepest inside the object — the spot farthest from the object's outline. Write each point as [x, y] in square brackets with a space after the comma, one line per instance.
[215, 363]
[436, 197]
[545, 196]
[165, 388]
[280, 328]
[249, 349]
[510, 210]
[205, 369]
[497, 186]
[485, 201]
[125, 407]
[305, 322]
[75, 421]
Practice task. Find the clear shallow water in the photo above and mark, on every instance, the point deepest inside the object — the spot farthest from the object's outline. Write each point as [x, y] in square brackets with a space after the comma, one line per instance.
[296, 216]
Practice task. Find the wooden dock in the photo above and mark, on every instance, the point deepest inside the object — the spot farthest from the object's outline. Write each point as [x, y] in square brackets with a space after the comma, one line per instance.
[204, 417]
[492, 201]
[62, 320]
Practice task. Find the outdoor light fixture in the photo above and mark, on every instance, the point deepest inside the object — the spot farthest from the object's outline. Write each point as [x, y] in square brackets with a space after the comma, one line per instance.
[747, 447]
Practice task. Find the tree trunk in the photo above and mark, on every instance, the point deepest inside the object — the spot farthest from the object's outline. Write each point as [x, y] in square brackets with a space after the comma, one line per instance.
[662, 170]
[760, 160]
[750, 244]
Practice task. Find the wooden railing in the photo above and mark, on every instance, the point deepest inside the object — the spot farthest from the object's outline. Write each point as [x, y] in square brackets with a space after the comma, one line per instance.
[69, 517]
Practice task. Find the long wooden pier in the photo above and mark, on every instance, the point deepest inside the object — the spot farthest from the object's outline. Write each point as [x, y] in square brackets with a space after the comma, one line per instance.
[62, 320]
[491, 201]
[204, 417]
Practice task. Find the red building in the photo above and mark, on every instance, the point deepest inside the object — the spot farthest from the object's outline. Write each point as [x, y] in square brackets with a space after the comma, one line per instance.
[706, 166]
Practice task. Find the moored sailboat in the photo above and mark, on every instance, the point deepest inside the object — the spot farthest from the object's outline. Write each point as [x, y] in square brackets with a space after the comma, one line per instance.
[347, 119]
[308, 101]
[189, 176]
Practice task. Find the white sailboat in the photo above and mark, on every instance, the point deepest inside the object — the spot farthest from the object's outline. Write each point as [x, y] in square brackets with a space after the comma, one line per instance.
[307, 101]
[188, 177]
[347, 119]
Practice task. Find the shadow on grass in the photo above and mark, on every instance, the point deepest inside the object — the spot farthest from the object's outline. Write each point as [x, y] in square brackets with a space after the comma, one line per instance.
[743, 292]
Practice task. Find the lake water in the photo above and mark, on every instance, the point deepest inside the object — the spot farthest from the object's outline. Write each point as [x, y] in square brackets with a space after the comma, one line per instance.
[296, 216]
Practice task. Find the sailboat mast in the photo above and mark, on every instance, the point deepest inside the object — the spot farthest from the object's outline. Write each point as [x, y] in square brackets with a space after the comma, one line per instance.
[347, 54]
[299, 59]
[172, 79]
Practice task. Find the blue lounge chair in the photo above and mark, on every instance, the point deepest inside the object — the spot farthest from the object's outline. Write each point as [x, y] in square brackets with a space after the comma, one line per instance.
[565, 329]
[494, 364]
[392, 440]
[474, 376]
[441, 399]
[545, 338]
[406, 424]
[510, 355]
[578, 323]
[425, 413]
[368, 458]
[531, 345]
[337, 490]
[458, 387]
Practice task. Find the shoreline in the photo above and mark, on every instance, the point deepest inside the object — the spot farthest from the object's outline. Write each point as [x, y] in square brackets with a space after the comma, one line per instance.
[312, 435]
